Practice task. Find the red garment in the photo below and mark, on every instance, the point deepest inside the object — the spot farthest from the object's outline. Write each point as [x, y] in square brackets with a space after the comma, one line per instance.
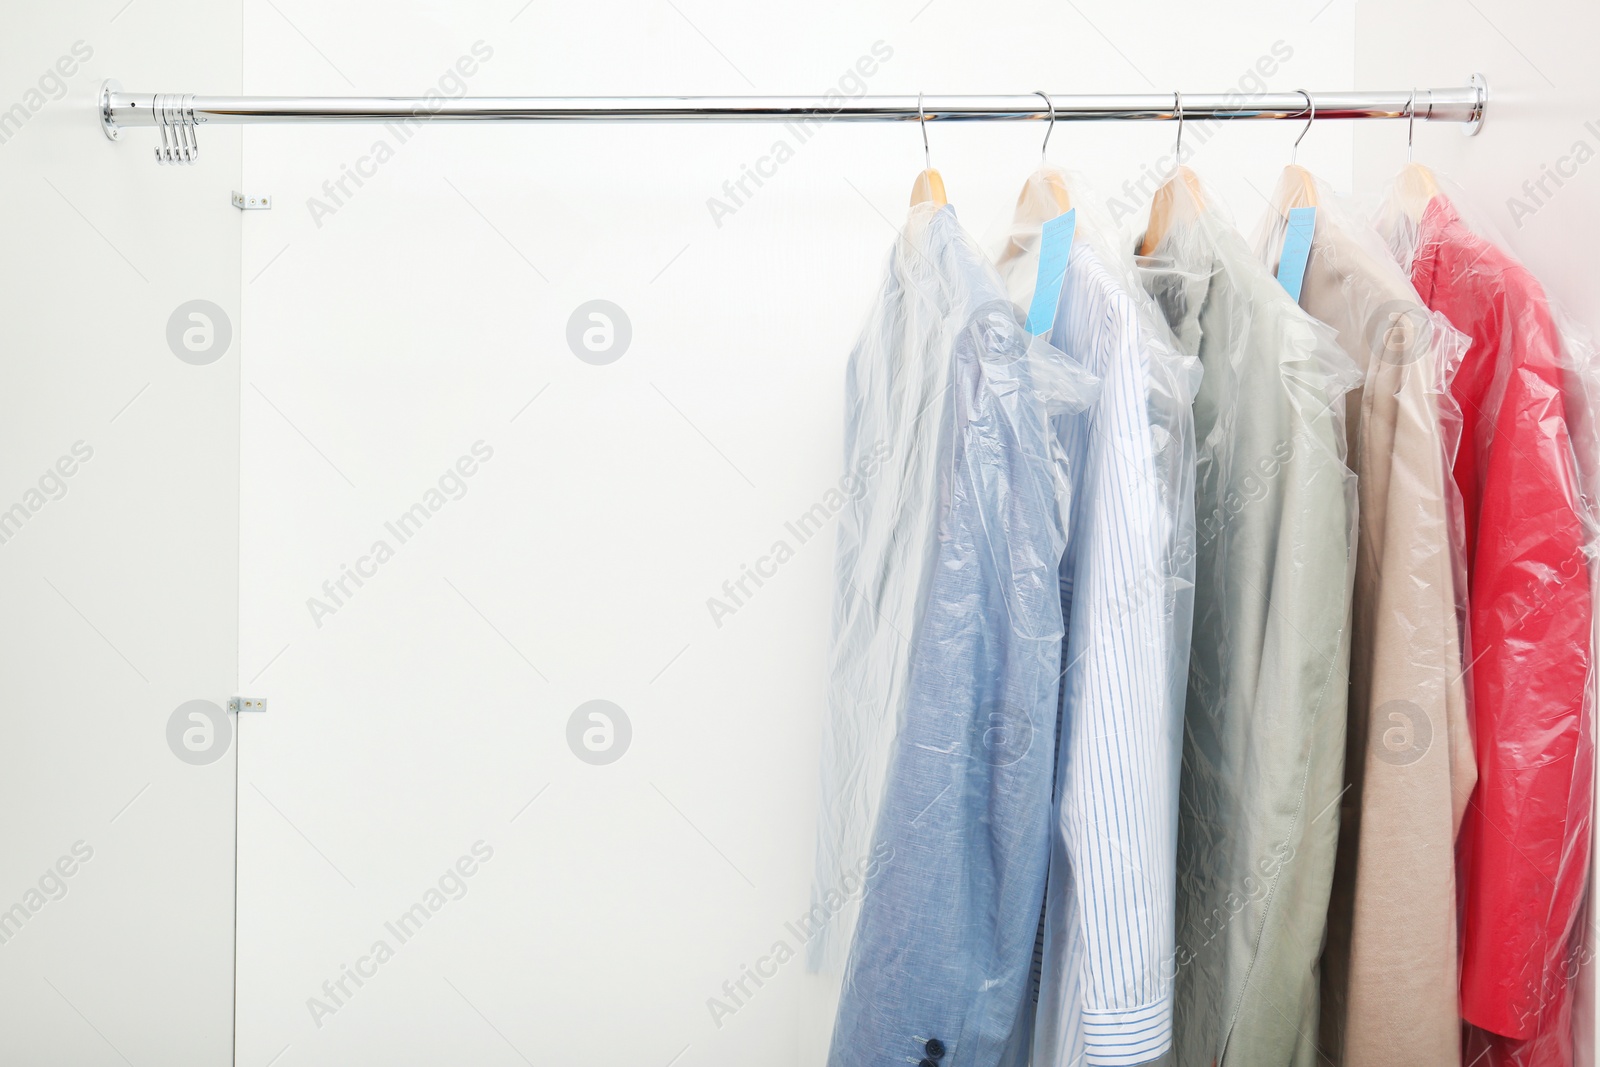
[1524, 844]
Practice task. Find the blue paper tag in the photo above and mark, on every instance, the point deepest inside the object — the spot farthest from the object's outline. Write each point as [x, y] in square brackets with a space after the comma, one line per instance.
[1296, 249]
[1055, 242]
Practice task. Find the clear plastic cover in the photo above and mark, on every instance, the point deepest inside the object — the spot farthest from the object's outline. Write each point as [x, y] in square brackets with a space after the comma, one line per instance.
[1389, 993]
[1264, 742]
[1525, 470]
[947, 644]
[1376, 511]
[1127, 586]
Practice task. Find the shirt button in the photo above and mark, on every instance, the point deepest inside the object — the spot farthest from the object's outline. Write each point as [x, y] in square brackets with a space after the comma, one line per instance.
[935, 1048]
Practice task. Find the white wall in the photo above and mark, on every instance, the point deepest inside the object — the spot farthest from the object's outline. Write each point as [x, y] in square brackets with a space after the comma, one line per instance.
[429, 311]
[120, 593]
[1544, 101]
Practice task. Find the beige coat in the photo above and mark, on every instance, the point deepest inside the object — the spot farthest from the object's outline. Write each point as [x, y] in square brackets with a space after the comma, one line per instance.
[1389, 968]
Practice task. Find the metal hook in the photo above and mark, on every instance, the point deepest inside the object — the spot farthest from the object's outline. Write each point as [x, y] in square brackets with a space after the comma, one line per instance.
[1411, 122]
[922, 120]
[1052, 129]
[169, 113]
[194, 129]
[163, 152]
[1177, 102]
[170, 117]
[1311, 105]
[185, 133]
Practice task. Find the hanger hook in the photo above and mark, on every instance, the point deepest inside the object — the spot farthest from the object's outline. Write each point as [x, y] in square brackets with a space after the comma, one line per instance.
[922, 120]
[1177, 104]
[1411, 122]
[1052, 129]
[1311, 106]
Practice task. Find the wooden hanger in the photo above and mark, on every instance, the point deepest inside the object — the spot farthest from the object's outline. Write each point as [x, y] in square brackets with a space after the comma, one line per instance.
[929, 186]
[1416, 186]
[1044, 196]
[929, 189]
[1164, 206]
[1047, 186]
[1415, 189]
[1296, 186]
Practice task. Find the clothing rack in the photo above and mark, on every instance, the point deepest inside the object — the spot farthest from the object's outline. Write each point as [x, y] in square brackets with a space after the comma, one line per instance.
[178, 115]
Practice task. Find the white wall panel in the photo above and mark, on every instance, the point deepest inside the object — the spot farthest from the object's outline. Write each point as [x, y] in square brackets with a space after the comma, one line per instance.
[120, 580]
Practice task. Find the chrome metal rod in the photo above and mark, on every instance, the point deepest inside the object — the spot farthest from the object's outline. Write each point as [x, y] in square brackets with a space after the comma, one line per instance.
[1463, 104]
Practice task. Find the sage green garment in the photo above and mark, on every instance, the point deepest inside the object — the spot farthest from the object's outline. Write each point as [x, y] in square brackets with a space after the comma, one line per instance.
[1264, 740]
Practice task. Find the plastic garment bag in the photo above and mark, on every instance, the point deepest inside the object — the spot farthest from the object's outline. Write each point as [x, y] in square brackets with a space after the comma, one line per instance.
[1105, 992]
[1523, 390]
[1388, 987]
[946, 652]
[1264, 738]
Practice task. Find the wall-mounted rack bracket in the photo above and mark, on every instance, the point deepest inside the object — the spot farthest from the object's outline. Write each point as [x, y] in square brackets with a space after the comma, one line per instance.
[172, 113]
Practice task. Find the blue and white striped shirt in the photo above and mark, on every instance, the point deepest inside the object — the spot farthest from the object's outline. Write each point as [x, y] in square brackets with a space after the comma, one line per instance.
[1127, 594]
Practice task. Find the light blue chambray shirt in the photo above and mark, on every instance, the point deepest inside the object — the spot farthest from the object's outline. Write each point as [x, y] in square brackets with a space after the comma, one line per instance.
[943, 948]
